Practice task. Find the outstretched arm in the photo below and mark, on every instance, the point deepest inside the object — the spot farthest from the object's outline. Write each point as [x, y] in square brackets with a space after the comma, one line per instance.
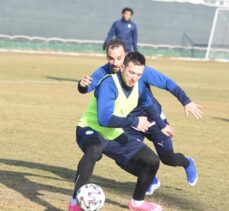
[157, 79]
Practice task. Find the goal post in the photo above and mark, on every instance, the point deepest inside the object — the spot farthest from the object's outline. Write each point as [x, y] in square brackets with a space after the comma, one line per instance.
[218, 44]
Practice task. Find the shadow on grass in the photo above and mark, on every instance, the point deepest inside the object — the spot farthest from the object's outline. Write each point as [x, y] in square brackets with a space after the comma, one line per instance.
[181, 202]
[61, 79]
[19, 182]
[222, 119]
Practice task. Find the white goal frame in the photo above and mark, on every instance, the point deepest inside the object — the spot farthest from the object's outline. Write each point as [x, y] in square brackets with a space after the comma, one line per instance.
[213, 30]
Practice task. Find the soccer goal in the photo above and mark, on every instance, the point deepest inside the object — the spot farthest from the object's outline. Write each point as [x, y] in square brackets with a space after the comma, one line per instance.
[218, 45]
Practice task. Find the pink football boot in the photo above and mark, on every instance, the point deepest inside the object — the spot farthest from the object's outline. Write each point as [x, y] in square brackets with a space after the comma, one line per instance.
[146, 206]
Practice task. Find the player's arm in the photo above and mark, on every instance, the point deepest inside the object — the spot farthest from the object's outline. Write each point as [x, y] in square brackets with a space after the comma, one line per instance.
[149, 106]
[157, 79]
[135, 38]
[110, 35]
[106, 94]
[89, 83]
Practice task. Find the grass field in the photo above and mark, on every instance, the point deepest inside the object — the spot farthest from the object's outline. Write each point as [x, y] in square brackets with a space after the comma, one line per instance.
[39, 108]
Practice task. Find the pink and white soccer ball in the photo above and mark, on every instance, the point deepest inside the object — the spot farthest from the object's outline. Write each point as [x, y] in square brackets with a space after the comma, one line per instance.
[90, 197]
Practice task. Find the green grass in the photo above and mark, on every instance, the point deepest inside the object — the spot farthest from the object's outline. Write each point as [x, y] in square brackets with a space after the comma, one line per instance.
[39, 108]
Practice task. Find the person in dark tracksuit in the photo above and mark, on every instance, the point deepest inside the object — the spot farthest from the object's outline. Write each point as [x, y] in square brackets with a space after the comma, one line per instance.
[99, 131]
[125, 30]
[151, 77]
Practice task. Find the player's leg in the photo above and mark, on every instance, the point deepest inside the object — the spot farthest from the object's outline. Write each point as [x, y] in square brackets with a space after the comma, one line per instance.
[136, 153]
[165, 151]
[91, 144]
[155, 184]
[148, 163]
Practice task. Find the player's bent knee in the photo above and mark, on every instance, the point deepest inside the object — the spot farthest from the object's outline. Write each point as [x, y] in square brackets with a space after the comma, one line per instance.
[95, 152]
[152, 161]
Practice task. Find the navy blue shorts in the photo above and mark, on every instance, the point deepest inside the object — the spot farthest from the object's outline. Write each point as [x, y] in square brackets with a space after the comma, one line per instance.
[161, 142]
[122, 149]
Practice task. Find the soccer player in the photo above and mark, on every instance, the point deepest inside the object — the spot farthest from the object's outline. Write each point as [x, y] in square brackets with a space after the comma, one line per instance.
[100, 131]
[162, 142]
[125, 30]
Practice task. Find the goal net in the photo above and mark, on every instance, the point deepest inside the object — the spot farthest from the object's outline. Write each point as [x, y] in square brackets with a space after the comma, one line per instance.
[218, 45]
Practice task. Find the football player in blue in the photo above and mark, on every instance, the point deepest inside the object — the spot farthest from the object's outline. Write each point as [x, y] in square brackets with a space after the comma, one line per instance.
[100, 130]
[125, 30]
[163, 142]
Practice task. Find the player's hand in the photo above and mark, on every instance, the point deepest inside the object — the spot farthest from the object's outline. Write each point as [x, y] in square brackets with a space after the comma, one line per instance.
[194, 109]
[168, 131]
[143, 124]
[85, 81]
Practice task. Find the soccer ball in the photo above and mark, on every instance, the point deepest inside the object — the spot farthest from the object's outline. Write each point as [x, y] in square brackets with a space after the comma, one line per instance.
[90, 197]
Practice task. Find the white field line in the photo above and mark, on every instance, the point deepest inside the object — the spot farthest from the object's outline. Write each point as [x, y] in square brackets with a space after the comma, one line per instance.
[59, 53]
[35, 82]
[190, 85]
[56, 53]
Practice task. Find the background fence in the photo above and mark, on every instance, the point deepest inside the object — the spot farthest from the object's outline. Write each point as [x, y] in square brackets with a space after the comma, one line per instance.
[165, 27]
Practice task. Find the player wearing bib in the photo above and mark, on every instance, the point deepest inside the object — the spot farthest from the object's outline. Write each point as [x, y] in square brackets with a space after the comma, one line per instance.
[162, 142]
[100, 130]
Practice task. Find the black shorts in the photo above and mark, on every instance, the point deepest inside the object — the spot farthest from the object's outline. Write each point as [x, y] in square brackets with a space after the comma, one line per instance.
[122, 149]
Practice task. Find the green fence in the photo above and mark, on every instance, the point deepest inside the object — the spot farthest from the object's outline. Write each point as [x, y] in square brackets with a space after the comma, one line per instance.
[86, 47]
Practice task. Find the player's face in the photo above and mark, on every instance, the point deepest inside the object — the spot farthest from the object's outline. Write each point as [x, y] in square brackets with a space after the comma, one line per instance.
[127, 15]
[132, 73]
[115, 58]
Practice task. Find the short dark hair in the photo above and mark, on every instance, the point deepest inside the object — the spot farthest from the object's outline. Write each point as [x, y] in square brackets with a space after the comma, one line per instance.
[115, 43]
[127, 9]
[134, 57]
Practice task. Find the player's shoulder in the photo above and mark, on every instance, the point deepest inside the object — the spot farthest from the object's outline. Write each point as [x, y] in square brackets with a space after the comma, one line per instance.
[117, 22]
[148, 70]
[107, 85]
[104, 70]
[107, 81]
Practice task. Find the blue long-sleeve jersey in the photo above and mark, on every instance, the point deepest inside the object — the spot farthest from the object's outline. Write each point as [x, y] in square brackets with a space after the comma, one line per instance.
[106, 94]
[125, 31]
[150, 77]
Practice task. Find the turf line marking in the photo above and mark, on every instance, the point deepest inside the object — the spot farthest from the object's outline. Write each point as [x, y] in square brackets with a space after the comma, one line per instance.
[35, 82]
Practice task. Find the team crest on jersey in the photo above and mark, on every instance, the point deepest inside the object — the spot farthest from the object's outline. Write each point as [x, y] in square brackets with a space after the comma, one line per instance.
[129, 25]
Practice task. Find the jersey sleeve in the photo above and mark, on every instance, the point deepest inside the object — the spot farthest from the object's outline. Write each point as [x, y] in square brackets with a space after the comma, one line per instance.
[111, 33]
[135, 38]
[106, 95]
[96, 76]
[157, 79]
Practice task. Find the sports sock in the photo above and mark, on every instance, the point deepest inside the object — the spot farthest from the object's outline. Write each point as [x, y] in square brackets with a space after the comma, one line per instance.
[136, 203]
[73, 201]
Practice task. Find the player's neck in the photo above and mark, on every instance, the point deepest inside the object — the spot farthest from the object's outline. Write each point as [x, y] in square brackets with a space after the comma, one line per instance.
[125, 20]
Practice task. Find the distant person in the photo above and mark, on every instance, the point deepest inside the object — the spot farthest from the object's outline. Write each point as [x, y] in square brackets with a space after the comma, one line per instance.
[125, 30]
